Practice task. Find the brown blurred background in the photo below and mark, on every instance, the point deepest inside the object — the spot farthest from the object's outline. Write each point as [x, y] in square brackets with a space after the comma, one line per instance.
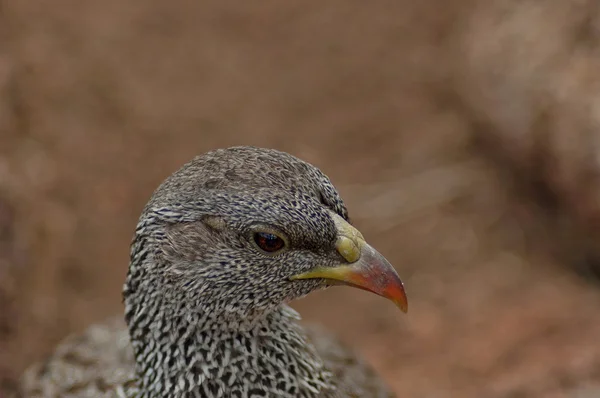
[464, 136]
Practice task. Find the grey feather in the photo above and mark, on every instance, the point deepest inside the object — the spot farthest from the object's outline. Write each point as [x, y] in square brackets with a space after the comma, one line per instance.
[205, 309]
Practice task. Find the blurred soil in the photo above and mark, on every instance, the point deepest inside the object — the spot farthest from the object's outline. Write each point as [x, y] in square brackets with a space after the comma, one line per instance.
[463, 135]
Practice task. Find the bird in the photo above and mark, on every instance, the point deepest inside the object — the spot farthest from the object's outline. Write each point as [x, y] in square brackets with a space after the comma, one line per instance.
[220, 250]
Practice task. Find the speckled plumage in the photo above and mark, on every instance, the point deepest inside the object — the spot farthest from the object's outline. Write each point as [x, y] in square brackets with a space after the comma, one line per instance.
[205, 312]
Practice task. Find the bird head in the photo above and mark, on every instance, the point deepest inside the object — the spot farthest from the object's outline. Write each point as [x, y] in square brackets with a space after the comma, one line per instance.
[239, 231]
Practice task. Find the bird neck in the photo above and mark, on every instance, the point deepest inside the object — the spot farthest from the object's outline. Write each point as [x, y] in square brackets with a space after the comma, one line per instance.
[186, 347]
[175, 355]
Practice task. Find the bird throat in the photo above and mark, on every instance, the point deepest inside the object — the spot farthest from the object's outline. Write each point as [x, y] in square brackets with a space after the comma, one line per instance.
[181, 352]
[274, 358]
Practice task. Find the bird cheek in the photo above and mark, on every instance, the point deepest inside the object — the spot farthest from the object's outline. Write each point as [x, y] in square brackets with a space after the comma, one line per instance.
[300, 289]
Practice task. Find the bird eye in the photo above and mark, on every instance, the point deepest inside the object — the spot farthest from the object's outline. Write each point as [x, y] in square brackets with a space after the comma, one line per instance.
[268, 242]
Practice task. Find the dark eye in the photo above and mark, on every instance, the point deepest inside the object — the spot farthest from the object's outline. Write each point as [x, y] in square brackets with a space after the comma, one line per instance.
[268, 242]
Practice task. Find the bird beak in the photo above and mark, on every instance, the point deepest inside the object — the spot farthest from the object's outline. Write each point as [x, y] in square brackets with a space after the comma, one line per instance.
[367, 269]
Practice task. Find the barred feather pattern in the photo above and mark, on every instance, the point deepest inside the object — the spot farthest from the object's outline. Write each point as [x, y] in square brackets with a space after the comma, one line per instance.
[191, 354]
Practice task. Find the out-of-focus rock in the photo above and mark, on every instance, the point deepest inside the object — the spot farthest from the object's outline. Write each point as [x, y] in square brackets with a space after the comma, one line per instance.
[528, 72]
